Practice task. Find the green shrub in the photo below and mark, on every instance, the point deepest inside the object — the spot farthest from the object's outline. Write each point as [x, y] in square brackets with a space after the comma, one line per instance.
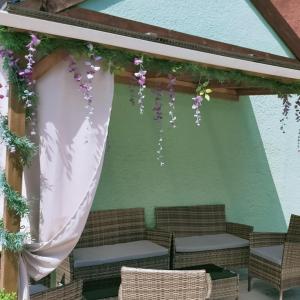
[7, 296]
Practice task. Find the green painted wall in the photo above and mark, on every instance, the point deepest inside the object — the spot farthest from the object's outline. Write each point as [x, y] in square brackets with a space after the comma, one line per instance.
[239, 157]
[223, 161]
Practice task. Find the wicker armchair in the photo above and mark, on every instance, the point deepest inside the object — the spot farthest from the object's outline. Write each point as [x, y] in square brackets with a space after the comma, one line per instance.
[275, 257]
[200, 225]
[115, 227]
[71, 291]
[143, 284]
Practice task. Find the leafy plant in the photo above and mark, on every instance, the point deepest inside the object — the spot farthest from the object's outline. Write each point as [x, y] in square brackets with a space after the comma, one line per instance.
[7, 296]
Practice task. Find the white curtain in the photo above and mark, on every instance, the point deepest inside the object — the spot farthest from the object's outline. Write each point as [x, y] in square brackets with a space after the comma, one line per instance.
[71, 153]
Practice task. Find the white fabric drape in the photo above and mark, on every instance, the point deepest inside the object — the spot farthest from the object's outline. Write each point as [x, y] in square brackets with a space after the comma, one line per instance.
[71, 152]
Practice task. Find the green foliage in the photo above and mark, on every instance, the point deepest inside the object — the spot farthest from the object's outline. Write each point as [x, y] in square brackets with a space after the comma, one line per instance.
[7, 296]
[23, 147]
[14, 200]
[12, 241]
[119, 59]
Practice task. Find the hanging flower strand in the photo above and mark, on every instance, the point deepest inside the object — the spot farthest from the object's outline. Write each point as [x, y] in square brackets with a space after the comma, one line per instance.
[297, 115]
[141, 80]
[172, 99]
[286, 108]
[86, 82]
[202, 93]
[26, 74]
[158, 116]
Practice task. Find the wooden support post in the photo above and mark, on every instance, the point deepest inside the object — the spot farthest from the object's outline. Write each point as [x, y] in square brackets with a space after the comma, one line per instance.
[10, 261]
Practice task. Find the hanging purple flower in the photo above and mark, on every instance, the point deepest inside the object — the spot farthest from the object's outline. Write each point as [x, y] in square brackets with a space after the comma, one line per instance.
[85, 82]
[141, 80]
[197, 102]
[202, 93]
[285, 112]
[172, 99]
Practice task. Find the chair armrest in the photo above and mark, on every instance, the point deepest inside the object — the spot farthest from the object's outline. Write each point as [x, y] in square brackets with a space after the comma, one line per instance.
[265, 239]
[291, 257]
[65, 271]
[70, 291]
[160, 237]
[241, 230]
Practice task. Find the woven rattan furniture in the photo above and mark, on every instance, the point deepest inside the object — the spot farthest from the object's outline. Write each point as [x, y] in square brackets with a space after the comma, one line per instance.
[275, 257]
[145, 284]
[202, 224]
[71, 291]
[116, 229]
[225, 283]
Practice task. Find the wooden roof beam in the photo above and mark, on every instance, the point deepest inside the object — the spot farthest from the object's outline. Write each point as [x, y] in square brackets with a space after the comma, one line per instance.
[279, 24]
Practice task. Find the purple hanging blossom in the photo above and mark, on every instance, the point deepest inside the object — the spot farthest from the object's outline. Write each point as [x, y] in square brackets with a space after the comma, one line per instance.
[157, 108]
[197, 102]
[158, 116]
[286, 108]
[141, 80]
[172, 99]
[85, 82]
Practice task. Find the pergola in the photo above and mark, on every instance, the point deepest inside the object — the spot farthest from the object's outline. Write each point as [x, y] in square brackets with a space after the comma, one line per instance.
[62, 19]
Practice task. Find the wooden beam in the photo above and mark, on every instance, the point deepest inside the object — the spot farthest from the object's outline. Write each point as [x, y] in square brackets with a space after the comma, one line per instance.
[90, 18]
[10, 261]
[181, 86]
[279, 24]
[48, 62]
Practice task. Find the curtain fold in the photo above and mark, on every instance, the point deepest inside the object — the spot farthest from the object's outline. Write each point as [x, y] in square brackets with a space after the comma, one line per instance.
[72, 138]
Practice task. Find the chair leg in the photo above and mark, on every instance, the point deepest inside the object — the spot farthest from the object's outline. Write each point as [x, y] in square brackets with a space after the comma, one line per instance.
[249, 282]
[281, 295]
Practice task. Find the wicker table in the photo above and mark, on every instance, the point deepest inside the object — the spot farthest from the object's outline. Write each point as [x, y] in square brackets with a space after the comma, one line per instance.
[225, 283]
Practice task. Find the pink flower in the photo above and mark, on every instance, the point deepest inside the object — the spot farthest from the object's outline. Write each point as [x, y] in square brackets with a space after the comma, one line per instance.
[138, 61]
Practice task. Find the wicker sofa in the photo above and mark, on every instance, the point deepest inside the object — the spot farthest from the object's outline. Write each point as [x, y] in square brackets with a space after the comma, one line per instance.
[201, 236]
[112, 239]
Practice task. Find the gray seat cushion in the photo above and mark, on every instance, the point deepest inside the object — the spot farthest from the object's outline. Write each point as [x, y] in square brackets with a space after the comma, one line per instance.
[37, 288]
[271, 253]
[209, 242]
[85, 257]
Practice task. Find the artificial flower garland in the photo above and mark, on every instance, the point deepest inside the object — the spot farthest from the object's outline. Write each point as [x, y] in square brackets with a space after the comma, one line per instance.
[114, 60]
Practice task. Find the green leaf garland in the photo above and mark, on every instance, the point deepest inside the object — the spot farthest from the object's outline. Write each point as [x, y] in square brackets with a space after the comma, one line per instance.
[15, 200]
[11, 241]
[23, 147]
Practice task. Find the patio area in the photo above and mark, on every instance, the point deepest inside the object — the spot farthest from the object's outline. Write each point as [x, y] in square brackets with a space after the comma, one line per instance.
[146, 155]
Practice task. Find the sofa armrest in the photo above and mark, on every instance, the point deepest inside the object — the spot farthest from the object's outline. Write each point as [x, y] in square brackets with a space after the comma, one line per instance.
[65, 271]
[160, 237]
[265, 239]
[241, 230]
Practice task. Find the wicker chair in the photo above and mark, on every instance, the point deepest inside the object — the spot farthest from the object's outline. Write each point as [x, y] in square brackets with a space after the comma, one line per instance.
[71, 291]
[203, 223]
[144, 284]
[275, 257]
[115, 227]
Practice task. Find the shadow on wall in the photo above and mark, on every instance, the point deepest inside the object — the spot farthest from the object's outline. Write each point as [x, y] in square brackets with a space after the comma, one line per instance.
[223, 161]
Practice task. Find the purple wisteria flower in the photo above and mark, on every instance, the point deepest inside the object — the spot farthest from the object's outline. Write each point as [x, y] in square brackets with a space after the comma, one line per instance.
[197, 102]
[141, 80]
[172, 99]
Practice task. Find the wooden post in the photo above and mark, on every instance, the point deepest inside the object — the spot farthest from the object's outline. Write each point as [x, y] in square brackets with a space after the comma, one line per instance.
[10, 261]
